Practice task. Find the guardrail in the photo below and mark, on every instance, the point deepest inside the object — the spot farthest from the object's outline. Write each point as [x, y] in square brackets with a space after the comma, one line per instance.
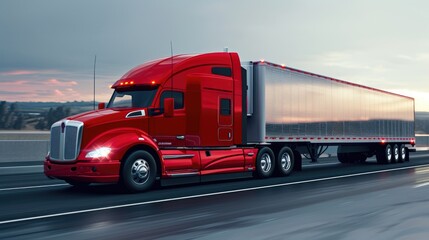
[23, 150]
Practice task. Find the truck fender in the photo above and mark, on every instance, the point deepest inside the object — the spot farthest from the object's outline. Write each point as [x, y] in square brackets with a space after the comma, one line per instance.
[120, 141]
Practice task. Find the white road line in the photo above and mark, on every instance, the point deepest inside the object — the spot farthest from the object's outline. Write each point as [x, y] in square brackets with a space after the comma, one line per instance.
[32, 187]
[203, 195]
[421, 185]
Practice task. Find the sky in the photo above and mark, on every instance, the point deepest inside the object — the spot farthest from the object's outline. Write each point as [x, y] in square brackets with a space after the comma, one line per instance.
[47, 48]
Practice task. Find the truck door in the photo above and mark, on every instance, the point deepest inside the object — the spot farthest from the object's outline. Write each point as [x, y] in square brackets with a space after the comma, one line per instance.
[169, 131]
[225, 130]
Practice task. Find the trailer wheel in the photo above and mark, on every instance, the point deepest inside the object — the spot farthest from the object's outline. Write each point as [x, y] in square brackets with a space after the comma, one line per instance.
[384, 155]
[138, 172]
[265, 163]
[404, 154]
[285, 161]
[395, 154]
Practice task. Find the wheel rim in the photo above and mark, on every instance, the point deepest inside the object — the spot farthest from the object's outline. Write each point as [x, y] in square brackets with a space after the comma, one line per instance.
[396, 152]
[266, 162]
[286, 162]
[140, 171]
[403, 153]
[389, 154]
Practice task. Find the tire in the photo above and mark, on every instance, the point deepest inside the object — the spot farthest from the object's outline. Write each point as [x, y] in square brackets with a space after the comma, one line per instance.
[285, 162]
[395, 154]
[77, 183]
[404, 154]
[343, 158]
[265, 163]
[138, 173]
[384, 154]
[388, 154]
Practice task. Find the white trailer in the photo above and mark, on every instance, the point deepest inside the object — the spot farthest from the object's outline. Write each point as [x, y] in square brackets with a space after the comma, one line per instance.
[307, 112]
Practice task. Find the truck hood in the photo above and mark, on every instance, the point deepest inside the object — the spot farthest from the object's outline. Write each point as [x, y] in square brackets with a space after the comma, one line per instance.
[104, 116]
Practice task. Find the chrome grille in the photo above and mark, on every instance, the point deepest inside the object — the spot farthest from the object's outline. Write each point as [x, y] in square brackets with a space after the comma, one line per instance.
[66, 136]
[55, 142]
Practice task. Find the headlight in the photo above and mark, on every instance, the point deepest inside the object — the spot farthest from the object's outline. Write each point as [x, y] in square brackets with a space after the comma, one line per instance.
[99, 153]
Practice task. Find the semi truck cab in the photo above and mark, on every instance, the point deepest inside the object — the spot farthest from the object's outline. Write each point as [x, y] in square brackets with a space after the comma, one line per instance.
[167, 119]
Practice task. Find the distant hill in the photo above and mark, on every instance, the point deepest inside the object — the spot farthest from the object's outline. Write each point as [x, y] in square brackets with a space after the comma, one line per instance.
[39, 107]
[38, 115]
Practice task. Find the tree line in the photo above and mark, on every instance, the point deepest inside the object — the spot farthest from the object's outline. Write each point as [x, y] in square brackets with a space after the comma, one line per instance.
[50, 117]
[11, 118]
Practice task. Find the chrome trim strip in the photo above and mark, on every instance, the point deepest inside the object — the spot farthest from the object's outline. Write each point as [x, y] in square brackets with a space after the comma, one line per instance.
[183, 174]
[178, 156]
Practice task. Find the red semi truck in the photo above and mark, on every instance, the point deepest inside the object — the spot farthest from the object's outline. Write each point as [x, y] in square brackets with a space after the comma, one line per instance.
[195, 118]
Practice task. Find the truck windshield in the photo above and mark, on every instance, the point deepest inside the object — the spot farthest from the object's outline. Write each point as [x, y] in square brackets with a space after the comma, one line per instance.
[132, 99]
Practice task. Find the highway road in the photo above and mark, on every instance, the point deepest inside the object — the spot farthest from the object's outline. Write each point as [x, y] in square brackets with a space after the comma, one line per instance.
[324, 201]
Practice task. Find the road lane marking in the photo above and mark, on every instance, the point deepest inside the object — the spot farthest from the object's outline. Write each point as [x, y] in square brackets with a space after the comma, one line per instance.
[32, 187]
[202, 195]
[421, 185]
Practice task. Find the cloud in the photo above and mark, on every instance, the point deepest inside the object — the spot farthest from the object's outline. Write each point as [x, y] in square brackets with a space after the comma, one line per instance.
[56, 82]
[10, 82]
[58, 93]
[352, 60]
[419, 57]
[11, 93]
[28, 72]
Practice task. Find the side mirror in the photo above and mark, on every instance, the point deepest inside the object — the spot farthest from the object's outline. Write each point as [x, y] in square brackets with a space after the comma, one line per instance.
[168, 107]
[101, 105]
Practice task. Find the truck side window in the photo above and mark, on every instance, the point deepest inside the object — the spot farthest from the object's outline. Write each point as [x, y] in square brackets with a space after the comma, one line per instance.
[178, 99]
[225, 107]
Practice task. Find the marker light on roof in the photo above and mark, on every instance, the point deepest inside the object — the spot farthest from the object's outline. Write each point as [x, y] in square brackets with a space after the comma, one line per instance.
[153, 82]
[283, 66]
[262, 60]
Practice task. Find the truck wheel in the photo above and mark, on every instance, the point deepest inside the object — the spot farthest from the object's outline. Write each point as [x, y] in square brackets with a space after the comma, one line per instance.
[404, 155]
[138, 173]
[384, 155]
[388, 153]
[395, 154]
[265, 163]
[285, 162]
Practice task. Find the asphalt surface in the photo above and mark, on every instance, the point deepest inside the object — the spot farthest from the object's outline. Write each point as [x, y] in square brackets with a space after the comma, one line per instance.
[325, 201]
